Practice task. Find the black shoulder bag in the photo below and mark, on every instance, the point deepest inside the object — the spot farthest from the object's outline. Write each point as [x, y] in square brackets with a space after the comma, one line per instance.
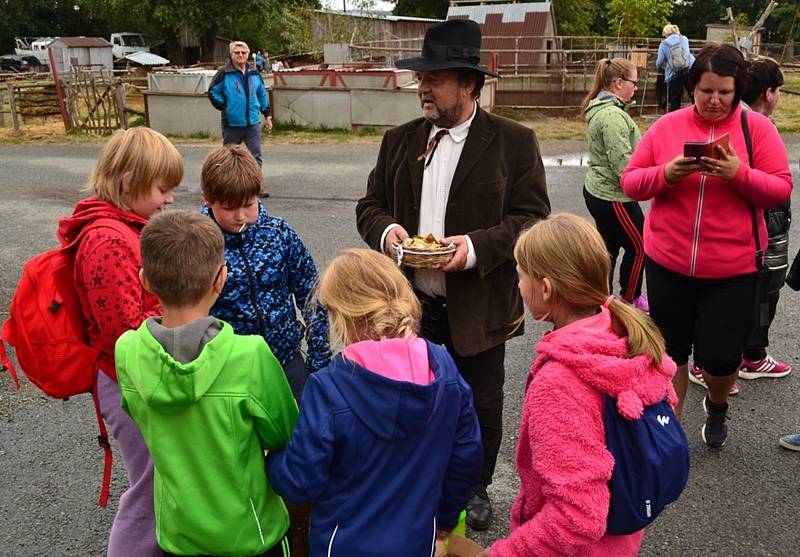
[772, 263]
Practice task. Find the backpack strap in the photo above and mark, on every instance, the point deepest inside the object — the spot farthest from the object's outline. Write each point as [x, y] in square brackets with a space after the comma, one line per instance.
[749, 144]
[102, 440]
[5, 361]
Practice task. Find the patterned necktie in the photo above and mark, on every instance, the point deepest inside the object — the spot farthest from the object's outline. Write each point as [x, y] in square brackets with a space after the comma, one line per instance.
[427, 155]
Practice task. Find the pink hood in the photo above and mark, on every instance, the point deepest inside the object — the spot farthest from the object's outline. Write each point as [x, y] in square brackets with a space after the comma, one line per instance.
[399, 359]
[562, 458]
[597, 356]
[702, 225]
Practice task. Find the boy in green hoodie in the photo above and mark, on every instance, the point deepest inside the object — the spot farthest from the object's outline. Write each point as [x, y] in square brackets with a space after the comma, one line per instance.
[207, 401]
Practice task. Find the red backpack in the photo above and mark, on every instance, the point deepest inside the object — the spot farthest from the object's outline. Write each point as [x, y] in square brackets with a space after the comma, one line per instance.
[48, 331]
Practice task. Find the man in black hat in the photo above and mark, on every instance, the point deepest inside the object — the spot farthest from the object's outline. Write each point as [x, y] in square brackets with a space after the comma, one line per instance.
[473, 179]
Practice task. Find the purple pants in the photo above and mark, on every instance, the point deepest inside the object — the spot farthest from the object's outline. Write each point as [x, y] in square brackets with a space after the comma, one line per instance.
[134, 530]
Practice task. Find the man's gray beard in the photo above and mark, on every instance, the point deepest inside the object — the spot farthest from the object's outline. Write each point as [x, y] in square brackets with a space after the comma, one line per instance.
[439, 118]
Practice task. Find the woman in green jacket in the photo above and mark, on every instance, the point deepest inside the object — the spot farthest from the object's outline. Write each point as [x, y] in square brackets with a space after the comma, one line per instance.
[612, 136]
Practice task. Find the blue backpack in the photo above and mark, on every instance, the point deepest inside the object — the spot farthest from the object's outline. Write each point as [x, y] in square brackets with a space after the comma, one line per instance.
[651, 465]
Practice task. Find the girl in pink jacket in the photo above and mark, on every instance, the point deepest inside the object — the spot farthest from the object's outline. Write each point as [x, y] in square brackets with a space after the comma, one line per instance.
[599, 346]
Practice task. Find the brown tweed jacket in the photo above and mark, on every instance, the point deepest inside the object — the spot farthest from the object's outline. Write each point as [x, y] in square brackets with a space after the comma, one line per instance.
[498, 188]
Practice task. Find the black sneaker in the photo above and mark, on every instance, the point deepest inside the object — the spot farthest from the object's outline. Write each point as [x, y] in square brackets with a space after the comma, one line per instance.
[715, 432]
[479, 510]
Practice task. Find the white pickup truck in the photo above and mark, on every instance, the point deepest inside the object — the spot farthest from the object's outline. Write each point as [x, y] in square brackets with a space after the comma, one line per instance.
[126, 43]
[33, 46]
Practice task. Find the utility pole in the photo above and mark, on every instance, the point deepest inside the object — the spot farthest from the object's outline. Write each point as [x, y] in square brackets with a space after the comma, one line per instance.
[745, 44]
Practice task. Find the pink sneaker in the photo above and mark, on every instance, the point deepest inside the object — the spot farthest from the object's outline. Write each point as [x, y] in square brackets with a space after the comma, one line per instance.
[642, 304]
[768, 367]
[696, 377]
[639, 303]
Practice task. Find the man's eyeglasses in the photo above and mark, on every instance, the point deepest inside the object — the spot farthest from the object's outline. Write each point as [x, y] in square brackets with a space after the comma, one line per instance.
[240, 53]
[635, 83]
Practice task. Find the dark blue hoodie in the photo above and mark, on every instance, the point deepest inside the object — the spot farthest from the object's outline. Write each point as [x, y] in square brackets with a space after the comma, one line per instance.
[385, 462]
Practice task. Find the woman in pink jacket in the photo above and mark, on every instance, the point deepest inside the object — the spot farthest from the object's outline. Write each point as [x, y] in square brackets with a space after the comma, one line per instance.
[600, 346]
[698, 234]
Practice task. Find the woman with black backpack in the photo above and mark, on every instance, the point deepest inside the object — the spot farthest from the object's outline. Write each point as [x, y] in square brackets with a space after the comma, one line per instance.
[762, 95]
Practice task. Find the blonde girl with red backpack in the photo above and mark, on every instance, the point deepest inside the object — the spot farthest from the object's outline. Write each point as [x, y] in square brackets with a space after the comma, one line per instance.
[133, 180]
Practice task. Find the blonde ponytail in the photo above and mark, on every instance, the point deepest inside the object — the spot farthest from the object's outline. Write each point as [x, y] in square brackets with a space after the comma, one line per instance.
[643, 335]
[367, 298]
[570, 252]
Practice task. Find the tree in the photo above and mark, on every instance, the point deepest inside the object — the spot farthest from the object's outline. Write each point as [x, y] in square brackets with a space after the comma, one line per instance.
[778, 24]
[256, 21]
[691, 16]
[307, 31]
[49, 18]
[436, 9]
[575, 17]
[638, 18]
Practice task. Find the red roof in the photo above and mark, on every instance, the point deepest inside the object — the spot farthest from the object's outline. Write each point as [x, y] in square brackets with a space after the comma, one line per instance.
[507, 28]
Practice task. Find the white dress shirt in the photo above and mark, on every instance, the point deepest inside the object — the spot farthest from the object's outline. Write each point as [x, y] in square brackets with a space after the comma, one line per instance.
[436, 181]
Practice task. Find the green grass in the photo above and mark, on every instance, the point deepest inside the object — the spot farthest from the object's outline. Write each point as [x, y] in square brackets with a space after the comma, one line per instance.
[787, 114]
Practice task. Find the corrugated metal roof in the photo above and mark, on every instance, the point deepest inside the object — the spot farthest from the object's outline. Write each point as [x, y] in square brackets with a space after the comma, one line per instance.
[512, 13]
[378, 15]
[146, 58]
[81, 42]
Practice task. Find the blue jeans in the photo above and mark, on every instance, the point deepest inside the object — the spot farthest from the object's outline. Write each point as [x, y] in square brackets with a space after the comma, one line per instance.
[250, 136]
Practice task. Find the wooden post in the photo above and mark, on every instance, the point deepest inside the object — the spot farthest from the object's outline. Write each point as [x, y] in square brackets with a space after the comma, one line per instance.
[732, 23]
[12, 105]
[62, 105]
[121, 114]
[2, 114]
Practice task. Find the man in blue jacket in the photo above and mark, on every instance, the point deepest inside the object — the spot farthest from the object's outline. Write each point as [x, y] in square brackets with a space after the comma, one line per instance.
[238, 91]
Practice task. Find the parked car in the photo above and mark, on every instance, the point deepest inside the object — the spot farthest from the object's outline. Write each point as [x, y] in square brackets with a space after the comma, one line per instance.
[14, 63]
[34, 63]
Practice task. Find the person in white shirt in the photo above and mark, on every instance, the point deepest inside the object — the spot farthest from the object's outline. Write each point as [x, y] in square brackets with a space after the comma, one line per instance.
[472, 179]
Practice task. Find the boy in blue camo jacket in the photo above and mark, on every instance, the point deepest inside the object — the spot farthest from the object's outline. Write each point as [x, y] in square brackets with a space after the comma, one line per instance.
[270, 272]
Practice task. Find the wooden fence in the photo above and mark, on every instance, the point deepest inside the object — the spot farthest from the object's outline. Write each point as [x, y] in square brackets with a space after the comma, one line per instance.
[95, 102]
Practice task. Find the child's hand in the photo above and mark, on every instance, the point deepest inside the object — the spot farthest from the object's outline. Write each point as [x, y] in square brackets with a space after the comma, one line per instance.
[484, 553]
[442, 535]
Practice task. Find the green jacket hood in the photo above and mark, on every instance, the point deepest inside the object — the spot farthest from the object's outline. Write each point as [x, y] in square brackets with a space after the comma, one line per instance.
[602, 101]
[169, 386]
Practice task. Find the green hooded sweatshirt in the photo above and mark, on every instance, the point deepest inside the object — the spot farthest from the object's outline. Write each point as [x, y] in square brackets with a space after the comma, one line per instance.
[207, 406]
[612, 136]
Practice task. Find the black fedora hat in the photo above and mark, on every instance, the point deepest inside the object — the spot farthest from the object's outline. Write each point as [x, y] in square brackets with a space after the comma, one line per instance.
[452, 44]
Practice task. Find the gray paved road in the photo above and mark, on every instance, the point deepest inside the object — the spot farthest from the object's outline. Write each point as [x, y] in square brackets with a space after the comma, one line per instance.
[740, 501]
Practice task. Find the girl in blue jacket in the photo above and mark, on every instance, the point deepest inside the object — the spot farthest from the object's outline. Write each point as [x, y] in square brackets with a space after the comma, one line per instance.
[387, 446]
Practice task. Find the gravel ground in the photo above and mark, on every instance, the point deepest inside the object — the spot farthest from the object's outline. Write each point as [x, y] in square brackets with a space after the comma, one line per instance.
[740, 501]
